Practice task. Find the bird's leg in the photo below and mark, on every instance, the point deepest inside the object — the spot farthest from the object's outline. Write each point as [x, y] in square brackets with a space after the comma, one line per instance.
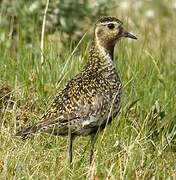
[72, 137]
[92, 143]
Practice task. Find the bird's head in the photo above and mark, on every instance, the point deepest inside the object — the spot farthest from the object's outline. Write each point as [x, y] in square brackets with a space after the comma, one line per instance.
[108, 30]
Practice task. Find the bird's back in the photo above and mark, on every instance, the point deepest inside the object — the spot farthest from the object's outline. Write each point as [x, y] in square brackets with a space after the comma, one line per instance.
[84, 103]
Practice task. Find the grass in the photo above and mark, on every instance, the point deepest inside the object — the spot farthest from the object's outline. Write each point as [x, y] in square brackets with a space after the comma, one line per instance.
[145, 126]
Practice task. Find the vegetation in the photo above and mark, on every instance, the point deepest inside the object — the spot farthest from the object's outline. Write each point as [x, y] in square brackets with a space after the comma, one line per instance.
[145, 129]
[64, 16]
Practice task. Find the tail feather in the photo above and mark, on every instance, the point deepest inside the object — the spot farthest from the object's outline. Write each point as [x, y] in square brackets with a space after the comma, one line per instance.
[26, 132]
[48, 125]
[45, 125]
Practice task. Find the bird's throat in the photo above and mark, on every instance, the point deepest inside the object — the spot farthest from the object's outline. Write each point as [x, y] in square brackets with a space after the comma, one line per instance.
[103, 52]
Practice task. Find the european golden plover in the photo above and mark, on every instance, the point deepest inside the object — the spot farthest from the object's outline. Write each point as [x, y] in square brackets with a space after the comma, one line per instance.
[91, 99]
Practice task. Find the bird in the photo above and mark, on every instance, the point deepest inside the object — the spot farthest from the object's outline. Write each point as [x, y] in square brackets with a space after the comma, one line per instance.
[88, 102]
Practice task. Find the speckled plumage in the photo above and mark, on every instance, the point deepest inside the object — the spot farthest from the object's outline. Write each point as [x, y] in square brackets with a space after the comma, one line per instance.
[91, 99]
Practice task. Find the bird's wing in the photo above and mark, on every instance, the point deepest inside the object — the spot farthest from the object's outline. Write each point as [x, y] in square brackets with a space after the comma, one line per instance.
[84, 115]
[81, 102]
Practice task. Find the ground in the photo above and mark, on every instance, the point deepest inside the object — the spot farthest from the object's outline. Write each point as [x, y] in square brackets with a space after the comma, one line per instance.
[145, 128]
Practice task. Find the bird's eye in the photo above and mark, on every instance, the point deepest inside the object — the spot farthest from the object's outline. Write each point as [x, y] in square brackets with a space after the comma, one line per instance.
[111, 26]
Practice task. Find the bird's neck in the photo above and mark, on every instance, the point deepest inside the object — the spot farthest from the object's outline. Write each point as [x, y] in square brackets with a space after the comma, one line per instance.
[101, 52]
